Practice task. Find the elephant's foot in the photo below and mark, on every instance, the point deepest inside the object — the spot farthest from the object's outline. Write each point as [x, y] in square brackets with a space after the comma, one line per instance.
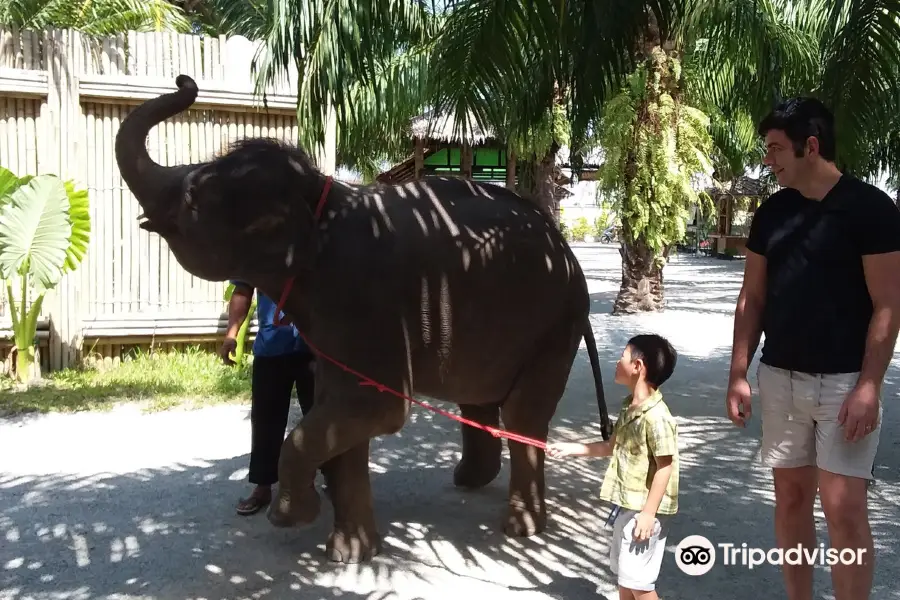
[353, 544]
[522, 522]
[302, 509]
[476, 471]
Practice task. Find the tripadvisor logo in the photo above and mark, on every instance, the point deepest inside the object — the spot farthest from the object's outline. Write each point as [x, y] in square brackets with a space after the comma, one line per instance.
[696, 555]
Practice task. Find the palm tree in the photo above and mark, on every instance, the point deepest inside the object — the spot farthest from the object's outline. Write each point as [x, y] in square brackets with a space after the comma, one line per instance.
[363, 63]
[536, 72]
[94, 17]
[728, 59]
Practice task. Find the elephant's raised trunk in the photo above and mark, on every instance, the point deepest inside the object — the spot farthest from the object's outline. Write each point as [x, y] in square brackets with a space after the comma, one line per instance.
[150, 182]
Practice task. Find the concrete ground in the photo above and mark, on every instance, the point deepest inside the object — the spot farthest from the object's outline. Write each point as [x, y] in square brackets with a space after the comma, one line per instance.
[127, 506]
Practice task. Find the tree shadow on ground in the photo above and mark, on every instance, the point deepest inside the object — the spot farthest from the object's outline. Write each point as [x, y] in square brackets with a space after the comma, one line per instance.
[170, 531]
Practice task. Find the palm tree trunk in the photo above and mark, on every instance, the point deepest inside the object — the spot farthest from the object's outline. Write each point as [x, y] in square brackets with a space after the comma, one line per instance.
[642, 289]
[536, 181]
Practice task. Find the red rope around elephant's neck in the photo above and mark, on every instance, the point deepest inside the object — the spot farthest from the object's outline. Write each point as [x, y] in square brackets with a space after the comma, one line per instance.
[494, 431]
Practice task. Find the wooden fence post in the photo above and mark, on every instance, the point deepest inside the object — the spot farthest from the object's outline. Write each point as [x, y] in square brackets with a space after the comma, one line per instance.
[64, 136]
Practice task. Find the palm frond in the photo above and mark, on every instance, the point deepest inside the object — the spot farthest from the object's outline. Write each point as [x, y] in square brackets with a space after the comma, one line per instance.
[748, 53]
[335, 44]
[860, 53]
[95, 17]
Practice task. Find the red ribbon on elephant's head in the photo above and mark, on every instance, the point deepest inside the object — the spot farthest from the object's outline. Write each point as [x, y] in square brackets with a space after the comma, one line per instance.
[494, 431]
[276, 320]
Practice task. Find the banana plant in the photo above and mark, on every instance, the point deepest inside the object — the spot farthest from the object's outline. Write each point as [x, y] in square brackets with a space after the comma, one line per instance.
[45, 228]
[239, 356]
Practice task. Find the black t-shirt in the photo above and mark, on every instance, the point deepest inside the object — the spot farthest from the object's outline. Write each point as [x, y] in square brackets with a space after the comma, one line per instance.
[817, 310]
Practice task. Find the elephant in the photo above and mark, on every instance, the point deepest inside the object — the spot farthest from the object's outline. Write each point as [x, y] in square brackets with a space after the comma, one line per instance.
[461, 291]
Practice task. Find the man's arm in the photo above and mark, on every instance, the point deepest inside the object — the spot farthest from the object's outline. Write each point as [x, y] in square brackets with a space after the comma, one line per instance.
[883, 281]
[238, 308]
[878, 237]
[748, 315]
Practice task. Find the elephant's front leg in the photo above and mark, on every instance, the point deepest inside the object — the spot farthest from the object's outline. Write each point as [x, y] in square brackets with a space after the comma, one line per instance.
[343, 421]
[355, 536]
[481, 451]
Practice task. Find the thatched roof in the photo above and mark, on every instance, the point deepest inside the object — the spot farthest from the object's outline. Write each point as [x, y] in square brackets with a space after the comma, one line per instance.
[741, 186]
[442, 127]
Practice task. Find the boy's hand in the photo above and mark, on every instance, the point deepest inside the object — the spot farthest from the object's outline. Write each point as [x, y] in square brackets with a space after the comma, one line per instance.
[643, 526]
[561, 449]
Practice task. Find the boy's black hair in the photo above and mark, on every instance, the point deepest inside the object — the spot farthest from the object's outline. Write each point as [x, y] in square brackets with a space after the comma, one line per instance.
[658, 355]
[800, 119]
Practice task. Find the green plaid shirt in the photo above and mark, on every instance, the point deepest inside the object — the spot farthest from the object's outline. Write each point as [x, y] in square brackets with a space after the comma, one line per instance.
[641, 433]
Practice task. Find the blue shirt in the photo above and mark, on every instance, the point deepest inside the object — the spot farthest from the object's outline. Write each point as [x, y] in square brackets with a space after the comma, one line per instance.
[272, 340]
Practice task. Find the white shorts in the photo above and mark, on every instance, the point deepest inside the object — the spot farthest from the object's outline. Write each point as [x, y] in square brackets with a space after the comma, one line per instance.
[637, 564]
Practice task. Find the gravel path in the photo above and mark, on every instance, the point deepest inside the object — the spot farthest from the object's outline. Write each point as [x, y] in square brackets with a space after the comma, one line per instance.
[100, 506]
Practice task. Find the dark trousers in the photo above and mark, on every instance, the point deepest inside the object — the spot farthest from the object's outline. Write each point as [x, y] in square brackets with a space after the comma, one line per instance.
[273, 379]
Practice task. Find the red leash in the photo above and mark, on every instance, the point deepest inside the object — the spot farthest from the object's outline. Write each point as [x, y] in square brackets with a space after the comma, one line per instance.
[494, 431]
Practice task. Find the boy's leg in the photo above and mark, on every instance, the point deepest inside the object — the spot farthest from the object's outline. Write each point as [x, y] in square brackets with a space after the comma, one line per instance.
[845, 469]
[789, 447]
[639, 562]
[271, 384]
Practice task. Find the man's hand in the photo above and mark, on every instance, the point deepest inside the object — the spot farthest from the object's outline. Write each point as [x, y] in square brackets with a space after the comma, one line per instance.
[737, 401]
[643, 526]
[859, 412]
[228, 347]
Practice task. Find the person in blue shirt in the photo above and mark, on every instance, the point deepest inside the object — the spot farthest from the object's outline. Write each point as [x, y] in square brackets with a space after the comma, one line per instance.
[281, 360]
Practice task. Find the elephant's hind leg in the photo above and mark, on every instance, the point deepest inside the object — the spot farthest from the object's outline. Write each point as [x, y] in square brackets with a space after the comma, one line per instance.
[480, 462]
[528, 411]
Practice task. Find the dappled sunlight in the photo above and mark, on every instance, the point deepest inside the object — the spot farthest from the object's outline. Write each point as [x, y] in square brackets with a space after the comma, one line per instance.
[130, 505]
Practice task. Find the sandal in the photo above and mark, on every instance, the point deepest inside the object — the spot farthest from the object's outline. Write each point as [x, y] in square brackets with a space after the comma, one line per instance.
[252, 505]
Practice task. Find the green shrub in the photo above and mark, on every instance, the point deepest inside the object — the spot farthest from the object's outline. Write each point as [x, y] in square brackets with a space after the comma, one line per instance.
[580, 229]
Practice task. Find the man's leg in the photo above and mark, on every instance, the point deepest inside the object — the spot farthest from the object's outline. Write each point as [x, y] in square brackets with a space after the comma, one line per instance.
[788, 448]
[845, 470]
[271, 384]
[795, 496]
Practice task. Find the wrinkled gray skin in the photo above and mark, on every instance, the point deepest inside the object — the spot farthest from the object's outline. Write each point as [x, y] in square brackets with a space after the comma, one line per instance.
[460, 291]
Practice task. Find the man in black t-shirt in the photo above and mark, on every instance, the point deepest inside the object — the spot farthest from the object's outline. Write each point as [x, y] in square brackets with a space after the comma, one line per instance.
[822, 281]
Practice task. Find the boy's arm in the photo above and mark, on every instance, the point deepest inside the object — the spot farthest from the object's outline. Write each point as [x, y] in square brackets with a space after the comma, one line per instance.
[658, 486]
[662, 441]
[594, 449]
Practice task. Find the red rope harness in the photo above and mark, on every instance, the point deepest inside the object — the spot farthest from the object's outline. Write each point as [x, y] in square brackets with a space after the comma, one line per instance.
[494, 431]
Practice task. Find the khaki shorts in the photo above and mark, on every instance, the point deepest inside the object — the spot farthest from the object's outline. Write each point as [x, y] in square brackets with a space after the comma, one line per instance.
[800, 427]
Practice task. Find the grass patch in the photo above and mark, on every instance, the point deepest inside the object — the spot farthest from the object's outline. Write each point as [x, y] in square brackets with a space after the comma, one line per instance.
[160, 380]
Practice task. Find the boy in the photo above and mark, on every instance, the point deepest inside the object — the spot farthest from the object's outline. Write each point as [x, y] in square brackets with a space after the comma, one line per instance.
[642, 478]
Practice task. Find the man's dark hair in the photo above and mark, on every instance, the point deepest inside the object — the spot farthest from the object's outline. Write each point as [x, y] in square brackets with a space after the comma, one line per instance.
[658, 355]
[800, 119]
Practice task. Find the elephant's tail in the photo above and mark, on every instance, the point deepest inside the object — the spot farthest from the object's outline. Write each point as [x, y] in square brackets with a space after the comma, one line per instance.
[605, 426]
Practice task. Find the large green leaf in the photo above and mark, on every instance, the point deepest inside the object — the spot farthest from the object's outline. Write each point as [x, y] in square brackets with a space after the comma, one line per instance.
[80, 221]
[9, 183]
[35, 232]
